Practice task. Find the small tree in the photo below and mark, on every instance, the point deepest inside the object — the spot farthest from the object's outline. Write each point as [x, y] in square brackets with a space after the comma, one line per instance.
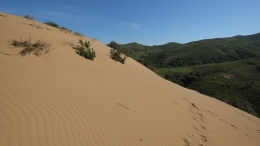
[118, 53]
[85, 50]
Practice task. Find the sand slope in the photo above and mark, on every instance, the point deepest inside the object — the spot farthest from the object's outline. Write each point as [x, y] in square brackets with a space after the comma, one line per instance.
[62, 99]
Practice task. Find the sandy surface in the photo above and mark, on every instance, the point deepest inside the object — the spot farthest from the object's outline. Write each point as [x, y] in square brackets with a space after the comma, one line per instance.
[62, 99]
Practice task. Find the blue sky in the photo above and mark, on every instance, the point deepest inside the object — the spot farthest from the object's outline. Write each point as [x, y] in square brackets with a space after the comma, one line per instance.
[149, 22]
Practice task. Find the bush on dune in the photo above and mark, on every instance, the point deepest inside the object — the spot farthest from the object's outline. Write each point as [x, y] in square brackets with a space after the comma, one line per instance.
[52, 24]
[78, 34]
[84, 50]
[65, 29]
[28, 47]
[118, 53]
[31, 17]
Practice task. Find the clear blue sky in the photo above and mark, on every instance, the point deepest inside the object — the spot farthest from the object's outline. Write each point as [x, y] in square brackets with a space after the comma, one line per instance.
[149, 22]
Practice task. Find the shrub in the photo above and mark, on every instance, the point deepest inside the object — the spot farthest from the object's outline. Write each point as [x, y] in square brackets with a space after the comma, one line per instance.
[31, 17]
[118, 53]
[2, 15]
[65, 29]
[38, 47]
[84, 50]
[78, 34]
[52, 24]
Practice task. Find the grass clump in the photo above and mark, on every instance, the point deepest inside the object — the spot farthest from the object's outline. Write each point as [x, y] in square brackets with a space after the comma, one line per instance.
[30, 17]
[52, 24]
[118, 53]
[65, 29]
[78, 34]
[28, 47]
[84, 50]
[2, 15]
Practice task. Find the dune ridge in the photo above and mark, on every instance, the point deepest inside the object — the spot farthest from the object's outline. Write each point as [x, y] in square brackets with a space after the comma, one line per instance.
[62, 99]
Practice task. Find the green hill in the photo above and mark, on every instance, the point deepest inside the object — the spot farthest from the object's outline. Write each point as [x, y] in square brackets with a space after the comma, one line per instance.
[225, 68]
[135, 47]
[236, 83]
[196, 53]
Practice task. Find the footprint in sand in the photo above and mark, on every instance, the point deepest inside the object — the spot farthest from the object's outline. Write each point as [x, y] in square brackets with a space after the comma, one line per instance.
[203, 138]
[212, 113]
[223, 121]
[190, 135]
[233, 126]
[195, 119]
[123, 106]
[185, 142]
[176, 102]
[203, 127]
[194, 127]
[193, 104]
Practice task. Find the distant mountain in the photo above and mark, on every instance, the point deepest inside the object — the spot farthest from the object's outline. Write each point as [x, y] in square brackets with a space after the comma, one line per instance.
[200, 52]
[135, 46]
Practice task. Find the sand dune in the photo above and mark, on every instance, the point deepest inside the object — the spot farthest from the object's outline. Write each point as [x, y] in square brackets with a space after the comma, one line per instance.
[62, 99]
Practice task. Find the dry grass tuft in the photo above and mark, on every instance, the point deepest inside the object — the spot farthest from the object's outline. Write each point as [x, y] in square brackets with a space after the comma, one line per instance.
[28, 47]
[78, 34]
[31, 17]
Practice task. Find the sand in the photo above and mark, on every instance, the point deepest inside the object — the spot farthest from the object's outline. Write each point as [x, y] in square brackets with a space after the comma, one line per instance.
[62, 99]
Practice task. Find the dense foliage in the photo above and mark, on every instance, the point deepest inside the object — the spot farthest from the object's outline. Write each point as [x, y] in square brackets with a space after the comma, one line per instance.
[236, 83]
[196, 53]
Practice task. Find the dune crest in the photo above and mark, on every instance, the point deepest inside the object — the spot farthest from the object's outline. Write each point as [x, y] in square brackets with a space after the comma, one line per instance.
[62, 99]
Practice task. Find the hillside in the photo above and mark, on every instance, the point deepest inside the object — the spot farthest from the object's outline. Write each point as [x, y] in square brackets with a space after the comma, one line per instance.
[236, 82]
[58, 98]
[222, 56]
[199, 52]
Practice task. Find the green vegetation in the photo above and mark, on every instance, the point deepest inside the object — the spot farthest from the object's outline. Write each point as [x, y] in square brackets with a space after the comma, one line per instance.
[37, 48]
[78, 34]
[31, 17]
[184, 70]
[225, 68]
[135, 47]
[196, 53]
[84, 50]
[117, 52]
[236, 83]
[52, 24]
[2, 15]
[65, 29]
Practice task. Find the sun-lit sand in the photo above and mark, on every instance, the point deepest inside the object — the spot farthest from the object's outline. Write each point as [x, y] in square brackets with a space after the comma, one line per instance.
[62, 99]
